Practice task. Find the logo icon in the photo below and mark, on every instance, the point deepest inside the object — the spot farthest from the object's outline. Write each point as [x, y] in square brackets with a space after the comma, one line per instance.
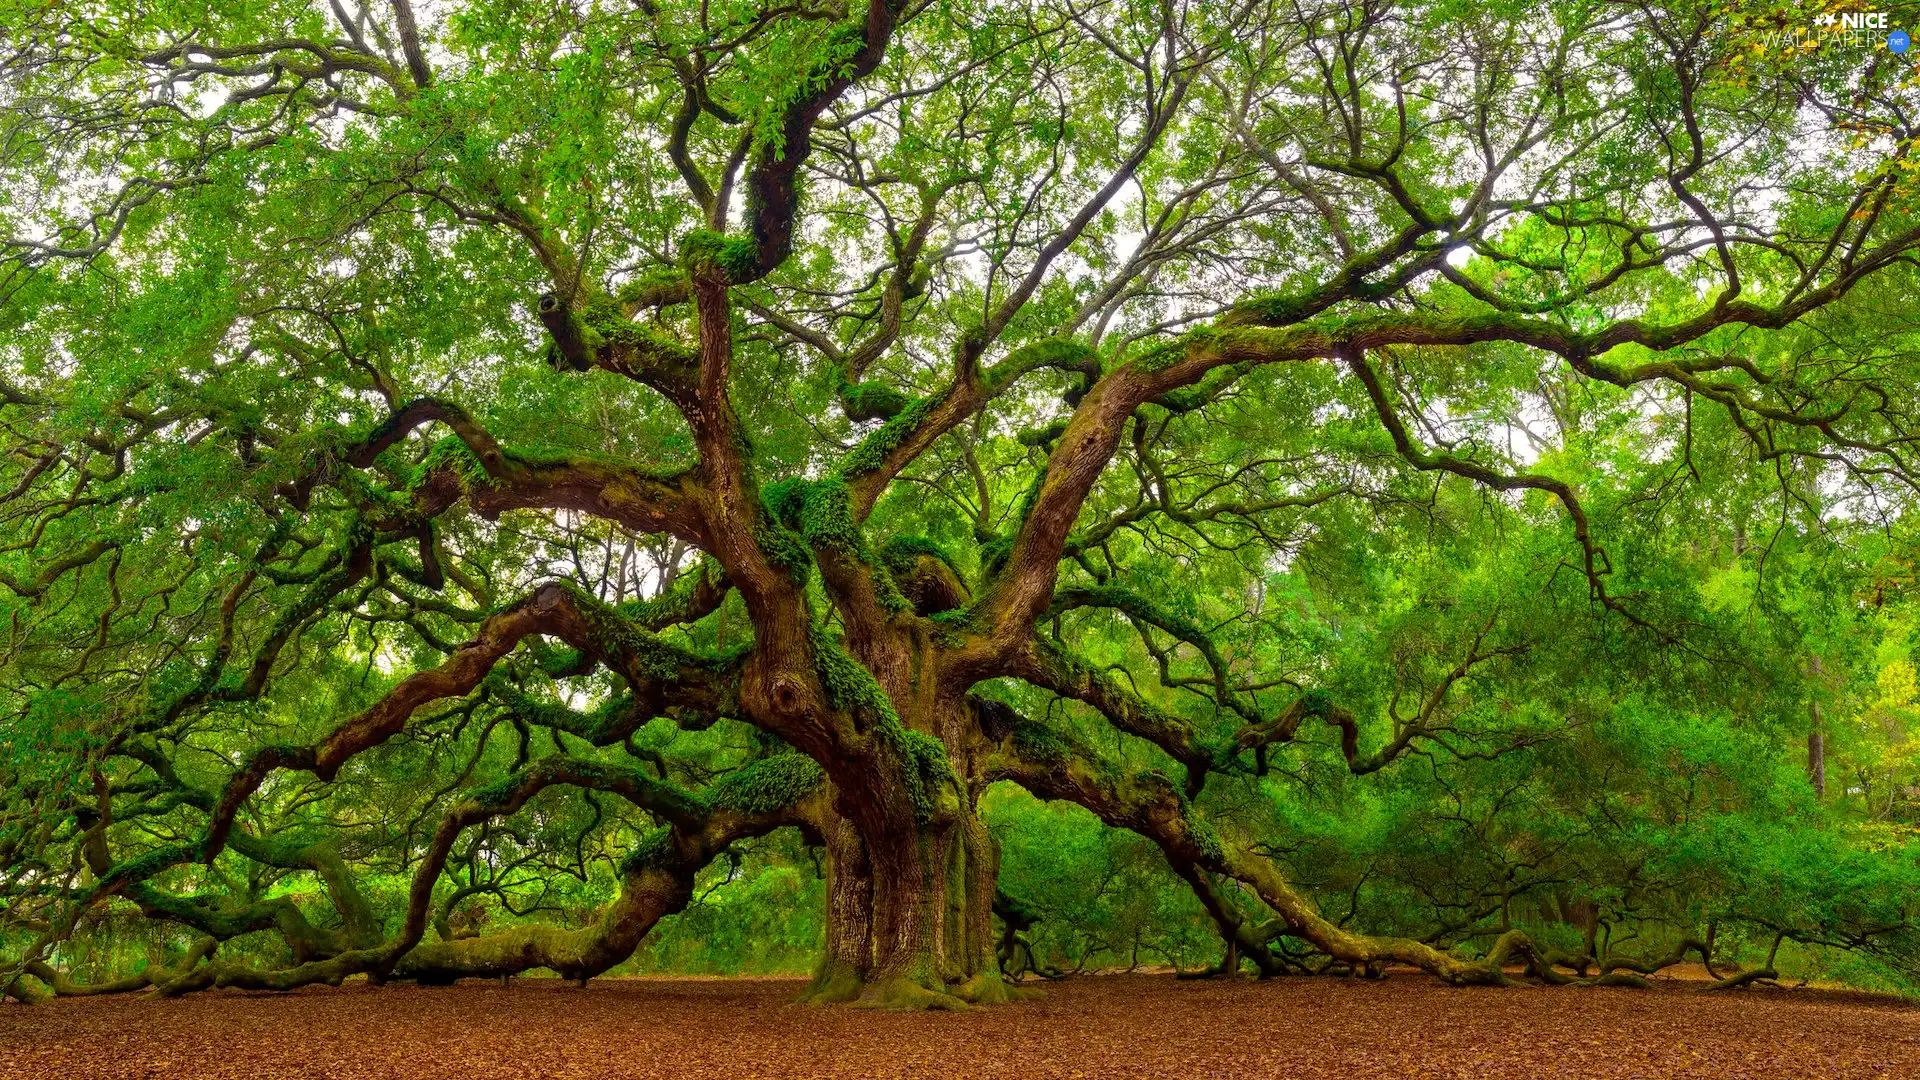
[1898, 41]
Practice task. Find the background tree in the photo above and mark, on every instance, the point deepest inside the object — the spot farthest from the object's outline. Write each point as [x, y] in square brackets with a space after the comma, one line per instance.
[488, 455]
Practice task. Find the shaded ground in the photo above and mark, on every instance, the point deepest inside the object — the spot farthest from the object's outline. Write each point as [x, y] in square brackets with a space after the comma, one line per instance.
[1405, 1026]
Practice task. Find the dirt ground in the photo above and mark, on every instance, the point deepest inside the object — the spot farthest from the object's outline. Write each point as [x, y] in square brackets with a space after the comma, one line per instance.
[1113, 1026]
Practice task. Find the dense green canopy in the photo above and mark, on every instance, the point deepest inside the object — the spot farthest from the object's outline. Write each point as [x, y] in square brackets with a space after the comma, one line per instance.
[945, 490]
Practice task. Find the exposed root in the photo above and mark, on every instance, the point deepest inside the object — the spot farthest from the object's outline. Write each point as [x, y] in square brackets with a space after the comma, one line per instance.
[988, 988]
[906, 995]
[1616, 978]
[834, 984]
[1744, 978]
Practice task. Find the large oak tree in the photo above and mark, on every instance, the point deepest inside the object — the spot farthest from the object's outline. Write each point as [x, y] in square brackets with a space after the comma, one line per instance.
[413, 409]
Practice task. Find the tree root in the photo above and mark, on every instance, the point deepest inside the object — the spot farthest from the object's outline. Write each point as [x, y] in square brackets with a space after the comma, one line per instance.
[906, 995]
[835, 985]
[845, 987]
[988, 988]
[1743, 978]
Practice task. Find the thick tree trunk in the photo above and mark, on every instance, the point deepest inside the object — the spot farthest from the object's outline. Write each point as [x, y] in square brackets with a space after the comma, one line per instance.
[846, 957]
[913, 870]
[910, 962]
[910, 917]
[970, 929]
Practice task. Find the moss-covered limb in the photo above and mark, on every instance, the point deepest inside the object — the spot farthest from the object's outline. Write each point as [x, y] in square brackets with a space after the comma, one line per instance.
[511, 792]
[1243, 937]
[850, 52]
[610, 722]
[1089, 442]
[378, 959]
[494, 480]
[577, 325]
[1256, 340]
[139, 868]
[1013, 952]
[906, 280]
[659, 287]
[926, 574]
[301, 852]
[18, 985]
[822, 514]
[65, 987]
[1024, 585]
[1349, 283]
[602, 334]
[360, 927]
[457, 676]
[363, 450]
[1743, 978]
[218, 919]
[1677, 955]
[52, 570]
[659, 877]
[879, 457]
[900, 437]
[1138, 607]
[1055, 764]
[643, 500]
[872, 400]
[62, 986]
[1318, 704]
[1071, 356]
[1151, 805]
[1305, 922]
[658, 881]
[694, 594]
[661, 673]
[1051, 667]
[770, 786]
[491, 801]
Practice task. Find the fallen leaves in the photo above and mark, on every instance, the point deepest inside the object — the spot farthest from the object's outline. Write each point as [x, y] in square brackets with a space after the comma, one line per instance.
[1117, 1026]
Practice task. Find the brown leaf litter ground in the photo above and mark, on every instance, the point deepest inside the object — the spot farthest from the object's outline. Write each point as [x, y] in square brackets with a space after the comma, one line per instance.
[1109, 1026]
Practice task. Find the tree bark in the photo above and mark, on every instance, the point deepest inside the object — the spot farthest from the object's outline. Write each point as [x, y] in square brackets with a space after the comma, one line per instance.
[909, 920]
[846, 957]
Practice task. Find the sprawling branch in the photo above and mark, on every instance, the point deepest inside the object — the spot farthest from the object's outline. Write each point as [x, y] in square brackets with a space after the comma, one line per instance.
[653, 668]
